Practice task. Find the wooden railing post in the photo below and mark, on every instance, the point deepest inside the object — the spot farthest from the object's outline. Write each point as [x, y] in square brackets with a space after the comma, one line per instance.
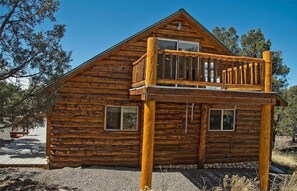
[265, 131]
[268, 71]
[149, 116]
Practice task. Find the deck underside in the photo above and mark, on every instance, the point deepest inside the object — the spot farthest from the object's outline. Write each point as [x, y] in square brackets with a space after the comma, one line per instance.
[203, 95]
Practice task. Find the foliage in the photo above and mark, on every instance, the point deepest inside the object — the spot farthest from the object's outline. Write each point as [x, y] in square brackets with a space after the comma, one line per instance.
[28, 53]
[236, 182]
[228, 38]
[288, 124]
[285, 159]
[290, 183]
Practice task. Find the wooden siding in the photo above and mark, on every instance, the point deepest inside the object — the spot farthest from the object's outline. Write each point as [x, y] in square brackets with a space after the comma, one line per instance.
[242, 145]
[77, 135]
[172, 144]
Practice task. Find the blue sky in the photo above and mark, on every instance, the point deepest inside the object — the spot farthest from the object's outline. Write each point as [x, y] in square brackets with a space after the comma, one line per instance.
[95, 25]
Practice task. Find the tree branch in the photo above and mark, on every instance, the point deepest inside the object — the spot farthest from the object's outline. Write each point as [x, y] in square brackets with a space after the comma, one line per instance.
[8, 17]
[15, 70]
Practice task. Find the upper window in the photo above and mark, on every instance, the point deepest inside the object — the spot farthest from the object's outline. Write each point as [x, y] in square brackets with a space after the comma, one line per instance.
[121, 118]
[221, 120]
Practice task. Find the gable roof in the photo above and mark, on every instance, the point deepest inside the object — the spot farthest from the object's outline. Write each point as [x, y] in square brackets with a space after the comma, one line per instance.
[180, 13]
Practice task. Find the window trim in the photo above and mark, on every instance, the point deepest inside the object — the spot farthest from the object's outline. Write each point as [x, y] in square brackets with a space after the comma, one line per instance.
[222, 120]
[121, 127]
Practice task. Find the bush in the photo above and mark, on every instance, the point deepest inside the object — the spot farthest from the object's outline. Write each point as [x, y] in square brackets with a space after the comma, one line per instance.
[290, 183]
[236, 183]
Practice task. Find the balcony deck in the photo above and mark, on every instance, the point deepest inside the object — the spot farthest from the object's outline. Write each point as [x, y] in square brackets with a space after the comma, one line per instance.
[203, 70]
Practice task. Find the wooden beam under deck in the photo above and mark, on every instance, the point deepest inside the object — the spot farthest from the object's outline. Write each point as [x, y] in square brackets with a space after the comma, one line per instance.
[183, 95]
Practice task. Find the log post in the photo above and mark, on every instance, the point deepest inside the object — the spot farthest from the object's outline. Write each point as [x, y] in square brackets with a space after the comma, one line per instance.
[149, 116]
[265, 131]
[202, 137]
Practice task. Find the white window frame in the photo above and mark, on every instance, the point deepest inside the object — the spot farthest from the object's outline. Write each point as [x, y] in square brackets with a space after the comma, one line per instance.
[222, 119]
[121, 127]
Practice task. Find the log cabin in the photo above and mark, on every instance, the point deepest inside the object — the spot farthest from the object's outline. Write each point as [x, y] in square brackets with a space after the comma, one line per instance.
[171, 94]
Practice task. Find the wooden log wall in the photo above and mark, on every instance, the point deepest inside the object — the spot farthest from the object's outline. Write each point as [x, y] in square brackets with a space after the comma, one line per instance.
[242, 145]
[77, 135]
[173, 145]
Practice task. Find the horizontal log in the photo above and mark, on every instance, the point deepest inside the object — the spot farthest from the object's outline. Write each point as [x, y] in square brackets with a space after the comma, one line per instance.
[213, 56]
[214, 99]
[223, 85]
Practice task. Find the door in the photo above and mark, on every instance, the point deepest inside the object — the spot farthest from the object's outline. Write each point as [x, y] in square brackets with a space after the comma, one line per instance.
[179, 64]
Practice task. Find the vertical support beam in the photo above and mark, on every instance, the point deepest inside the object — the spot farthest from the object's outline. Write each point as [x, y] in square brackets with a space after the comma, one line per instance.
[149, 116]
[202, 137]
[264, 148]
[265, 131]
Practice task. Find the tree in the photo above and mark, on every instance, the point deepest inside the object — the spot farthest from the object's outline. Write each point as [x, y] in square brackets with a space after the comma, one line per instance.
[288, 124]
[228, 38]
[253, 44]
[31, 54]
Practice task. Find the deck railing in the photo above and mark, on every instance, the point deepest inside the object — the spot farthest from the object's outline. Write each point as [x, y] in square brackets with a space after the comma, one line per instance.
[138, 73]
[197, 69]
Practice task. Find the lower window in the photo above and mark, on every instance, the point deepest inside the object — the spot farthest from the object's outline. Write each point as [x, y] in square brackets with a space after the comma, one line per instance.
[121, 118]
[221, 120]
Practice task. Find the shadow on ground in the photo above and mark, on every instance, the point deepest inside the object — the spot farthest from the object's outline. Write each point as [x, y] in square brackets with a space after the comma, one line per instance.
[28, 148]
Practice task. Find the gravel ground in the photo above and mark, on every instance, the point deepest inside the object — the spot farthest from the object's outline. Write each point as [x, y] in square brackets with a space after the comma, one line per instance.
[124, 179]
[95, 178]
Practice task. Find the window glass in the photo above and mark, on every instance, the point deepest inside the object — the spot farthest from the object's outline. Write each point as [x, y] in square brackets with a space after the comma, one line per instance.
[221, 119]
[129, 118]
[165, 44]
[188, 46]
[215, 120]
[228, 119]
[113, 118]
